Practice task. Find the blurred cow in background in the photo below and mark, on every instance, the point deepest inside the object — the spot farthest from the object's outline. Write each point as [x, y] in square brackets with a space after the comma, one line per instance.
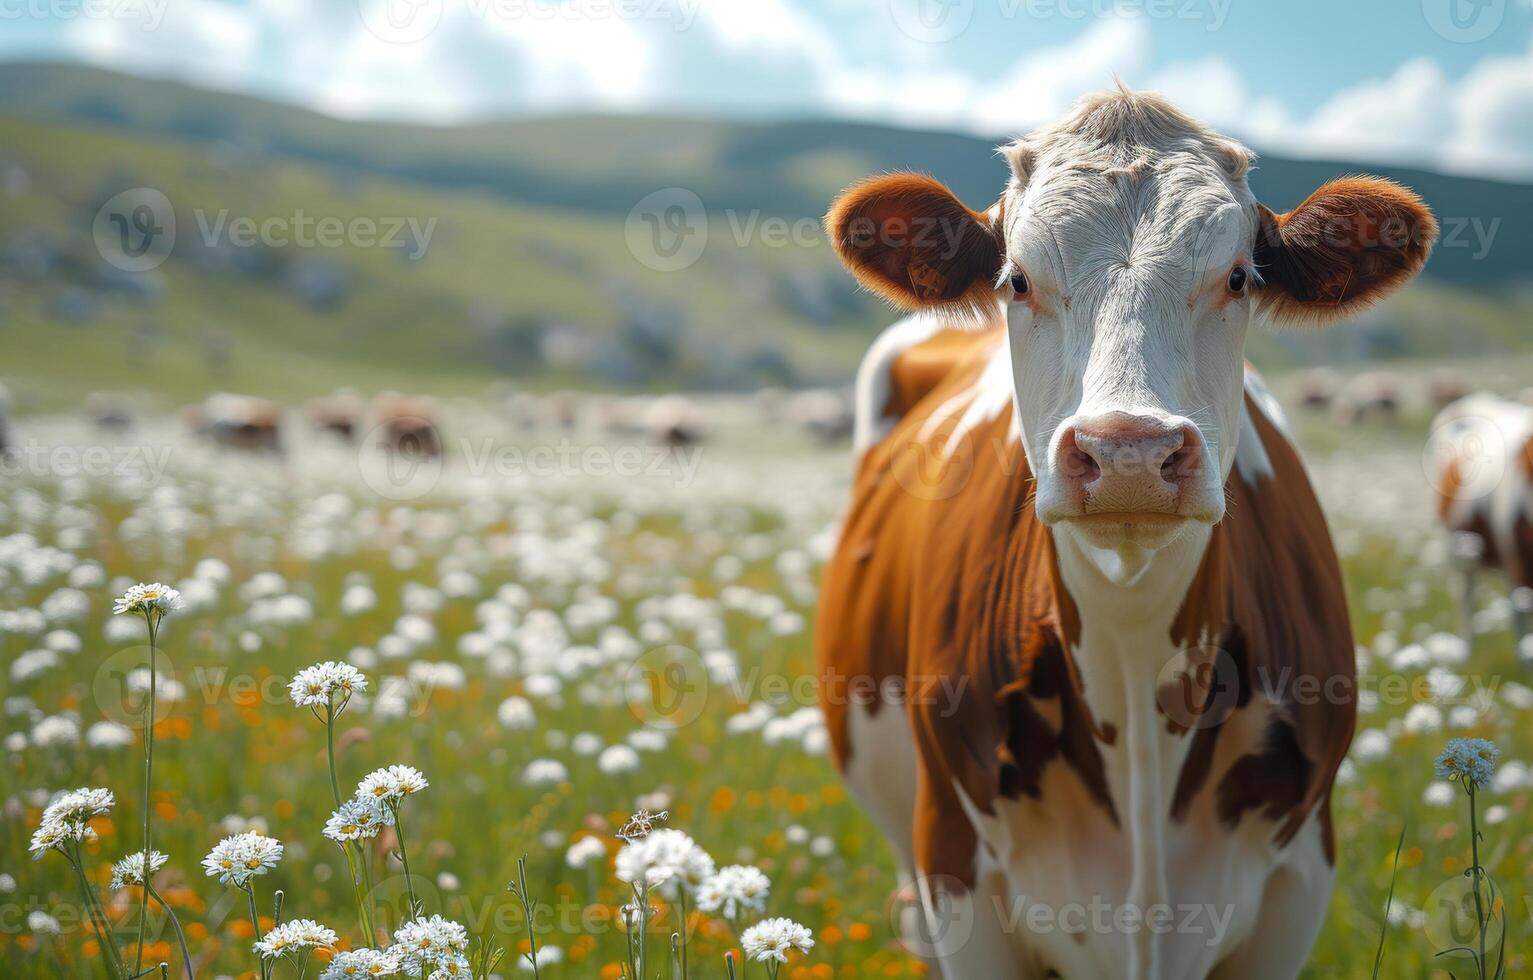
[339, 414]
[1483, 457]
[238, 422]
[108, 412]
[1317, 389]
[672, 420]
[406, 426]
[1373, 396]
[1444, 387]
[824, 414]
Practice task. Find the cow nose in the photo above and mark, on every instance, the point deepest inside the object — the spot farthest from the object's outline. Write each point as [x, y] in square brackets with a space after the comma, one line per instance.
[1118, 462]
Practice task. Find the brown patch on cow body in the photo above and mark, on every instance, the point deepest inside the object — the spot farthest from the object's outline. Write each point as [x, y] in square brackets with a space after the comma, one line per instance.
[964, 583]
[1271, 588]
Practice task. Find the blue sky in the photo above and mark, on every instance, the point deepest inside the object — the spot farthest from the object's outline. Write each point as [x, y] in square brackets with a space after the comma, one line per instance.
[1442, 83]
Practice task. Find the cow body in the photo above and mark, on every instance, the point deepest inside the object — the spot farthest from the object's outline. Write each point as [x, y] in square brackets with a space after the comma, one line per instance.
[1484, 479]
[1058, 760]
[1084, 642]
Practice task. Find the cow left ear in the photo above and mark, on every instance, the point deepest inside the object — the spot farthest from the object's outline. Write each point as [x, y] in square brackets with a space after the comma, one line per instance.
[1350, 244]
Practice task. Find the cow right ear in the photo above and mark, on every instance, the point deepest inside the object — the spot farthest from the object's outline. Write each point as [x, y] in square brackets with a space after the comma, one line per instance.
[906, 237]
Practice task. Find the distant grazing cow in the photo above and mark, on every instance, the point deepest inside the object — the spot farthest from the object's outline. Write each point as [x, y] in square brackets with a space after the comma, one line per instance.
[108, 412]
[825, 415]
[1484, 478]
[1444, 387]
[407, 426]
[238, 422]
[1083, 574]
[339, 414]
[1373, 396]
[674, 421]
[1317, 390]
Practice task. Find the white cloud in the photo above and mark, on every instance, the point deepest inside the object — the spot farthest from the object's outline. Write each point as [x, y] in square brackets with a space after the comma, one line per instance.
[1039, 88]
[1481, 123]
[1044, 85]
[489, 57]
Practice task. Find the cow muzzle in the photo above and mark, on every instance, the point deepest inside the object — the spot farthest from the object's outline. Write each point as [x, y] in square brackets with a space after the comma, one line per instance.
[1127, 472]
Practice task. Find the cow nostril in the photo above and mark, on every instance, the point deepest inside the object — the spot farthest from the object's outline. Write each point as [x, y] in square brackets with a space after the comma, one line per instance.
[1081, 465]
[1180, 464]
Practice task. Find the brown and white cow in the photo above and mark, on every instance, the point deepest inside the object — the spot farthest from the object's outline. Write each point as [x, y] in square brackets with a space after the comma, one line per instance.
[1483, 453]
[1085, 653]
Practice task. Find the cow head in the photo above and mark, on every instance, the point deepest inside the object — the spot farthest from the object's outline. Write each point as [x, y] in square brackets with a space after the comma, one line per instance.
[1127, 256]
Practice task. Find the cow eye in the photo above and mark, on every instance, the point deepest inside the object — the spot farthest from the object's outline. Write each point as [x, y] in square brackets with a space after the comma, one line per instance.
[1238, 277]
[1019, 284]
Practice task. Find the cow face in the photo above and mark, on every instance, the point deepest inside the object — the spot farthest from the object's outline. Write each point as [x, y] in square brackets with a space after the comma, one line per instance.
[1127, 255]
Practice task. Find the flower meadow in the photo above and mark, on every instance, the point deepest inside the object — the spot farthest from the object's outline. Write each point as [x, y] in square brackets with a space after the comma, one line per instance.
[567, 725]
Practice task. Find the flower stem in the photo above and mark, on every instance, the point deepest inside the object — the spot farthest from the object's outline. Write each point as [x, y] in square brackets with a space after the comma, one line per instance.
[685, 973]
[255, 920]
[175, 923]
[335, 787]
[97, 914]
[404, 858]
[1478, 873]
[151, 620]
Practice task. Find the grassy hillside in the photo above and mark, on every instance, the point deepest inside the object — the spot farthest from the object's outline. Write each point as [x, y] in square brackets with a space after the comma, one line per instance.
[604, 164]
[531, 270]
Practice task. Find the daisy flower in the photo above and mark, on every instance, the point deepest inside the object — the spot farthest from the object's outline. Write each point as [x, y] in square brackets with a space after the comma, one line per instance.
[293, 937]
[734, 890]
[357, 819]
[130, 870]
[151, 599]
[235, 860]
[669, 858]
[771, 940]
[323, 682]
[584, 851]
[360, 964]
[431, 944]
[67, 818]
[391, 783]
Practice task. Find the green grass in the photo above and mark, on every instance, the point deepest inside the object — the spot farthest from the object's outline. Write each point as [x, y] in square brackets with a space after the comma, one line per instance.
[236, 746]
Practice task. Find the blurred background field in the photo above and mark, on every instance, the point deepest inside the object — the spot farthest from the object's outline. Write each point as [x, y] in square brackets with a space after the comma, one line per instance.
[504, 617]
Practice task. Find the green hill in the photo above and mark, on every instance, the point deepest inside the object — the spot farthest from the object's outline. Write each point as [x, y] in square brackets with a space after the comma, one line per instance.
[528, 271]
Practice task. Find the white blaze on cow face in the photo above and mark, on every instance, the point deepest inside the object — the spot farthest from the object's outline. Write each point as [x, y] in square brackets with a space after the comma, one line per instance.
[1127, 282]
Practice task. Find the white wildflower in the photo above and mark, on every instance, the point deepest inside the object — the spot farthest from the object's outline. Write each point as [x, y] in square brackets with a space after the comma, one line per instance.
[130, 870]
[772, 939]
[734, 890]
[235, 860]
[294, 936]
[325, 682]
[391, 783]
[154, 599]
